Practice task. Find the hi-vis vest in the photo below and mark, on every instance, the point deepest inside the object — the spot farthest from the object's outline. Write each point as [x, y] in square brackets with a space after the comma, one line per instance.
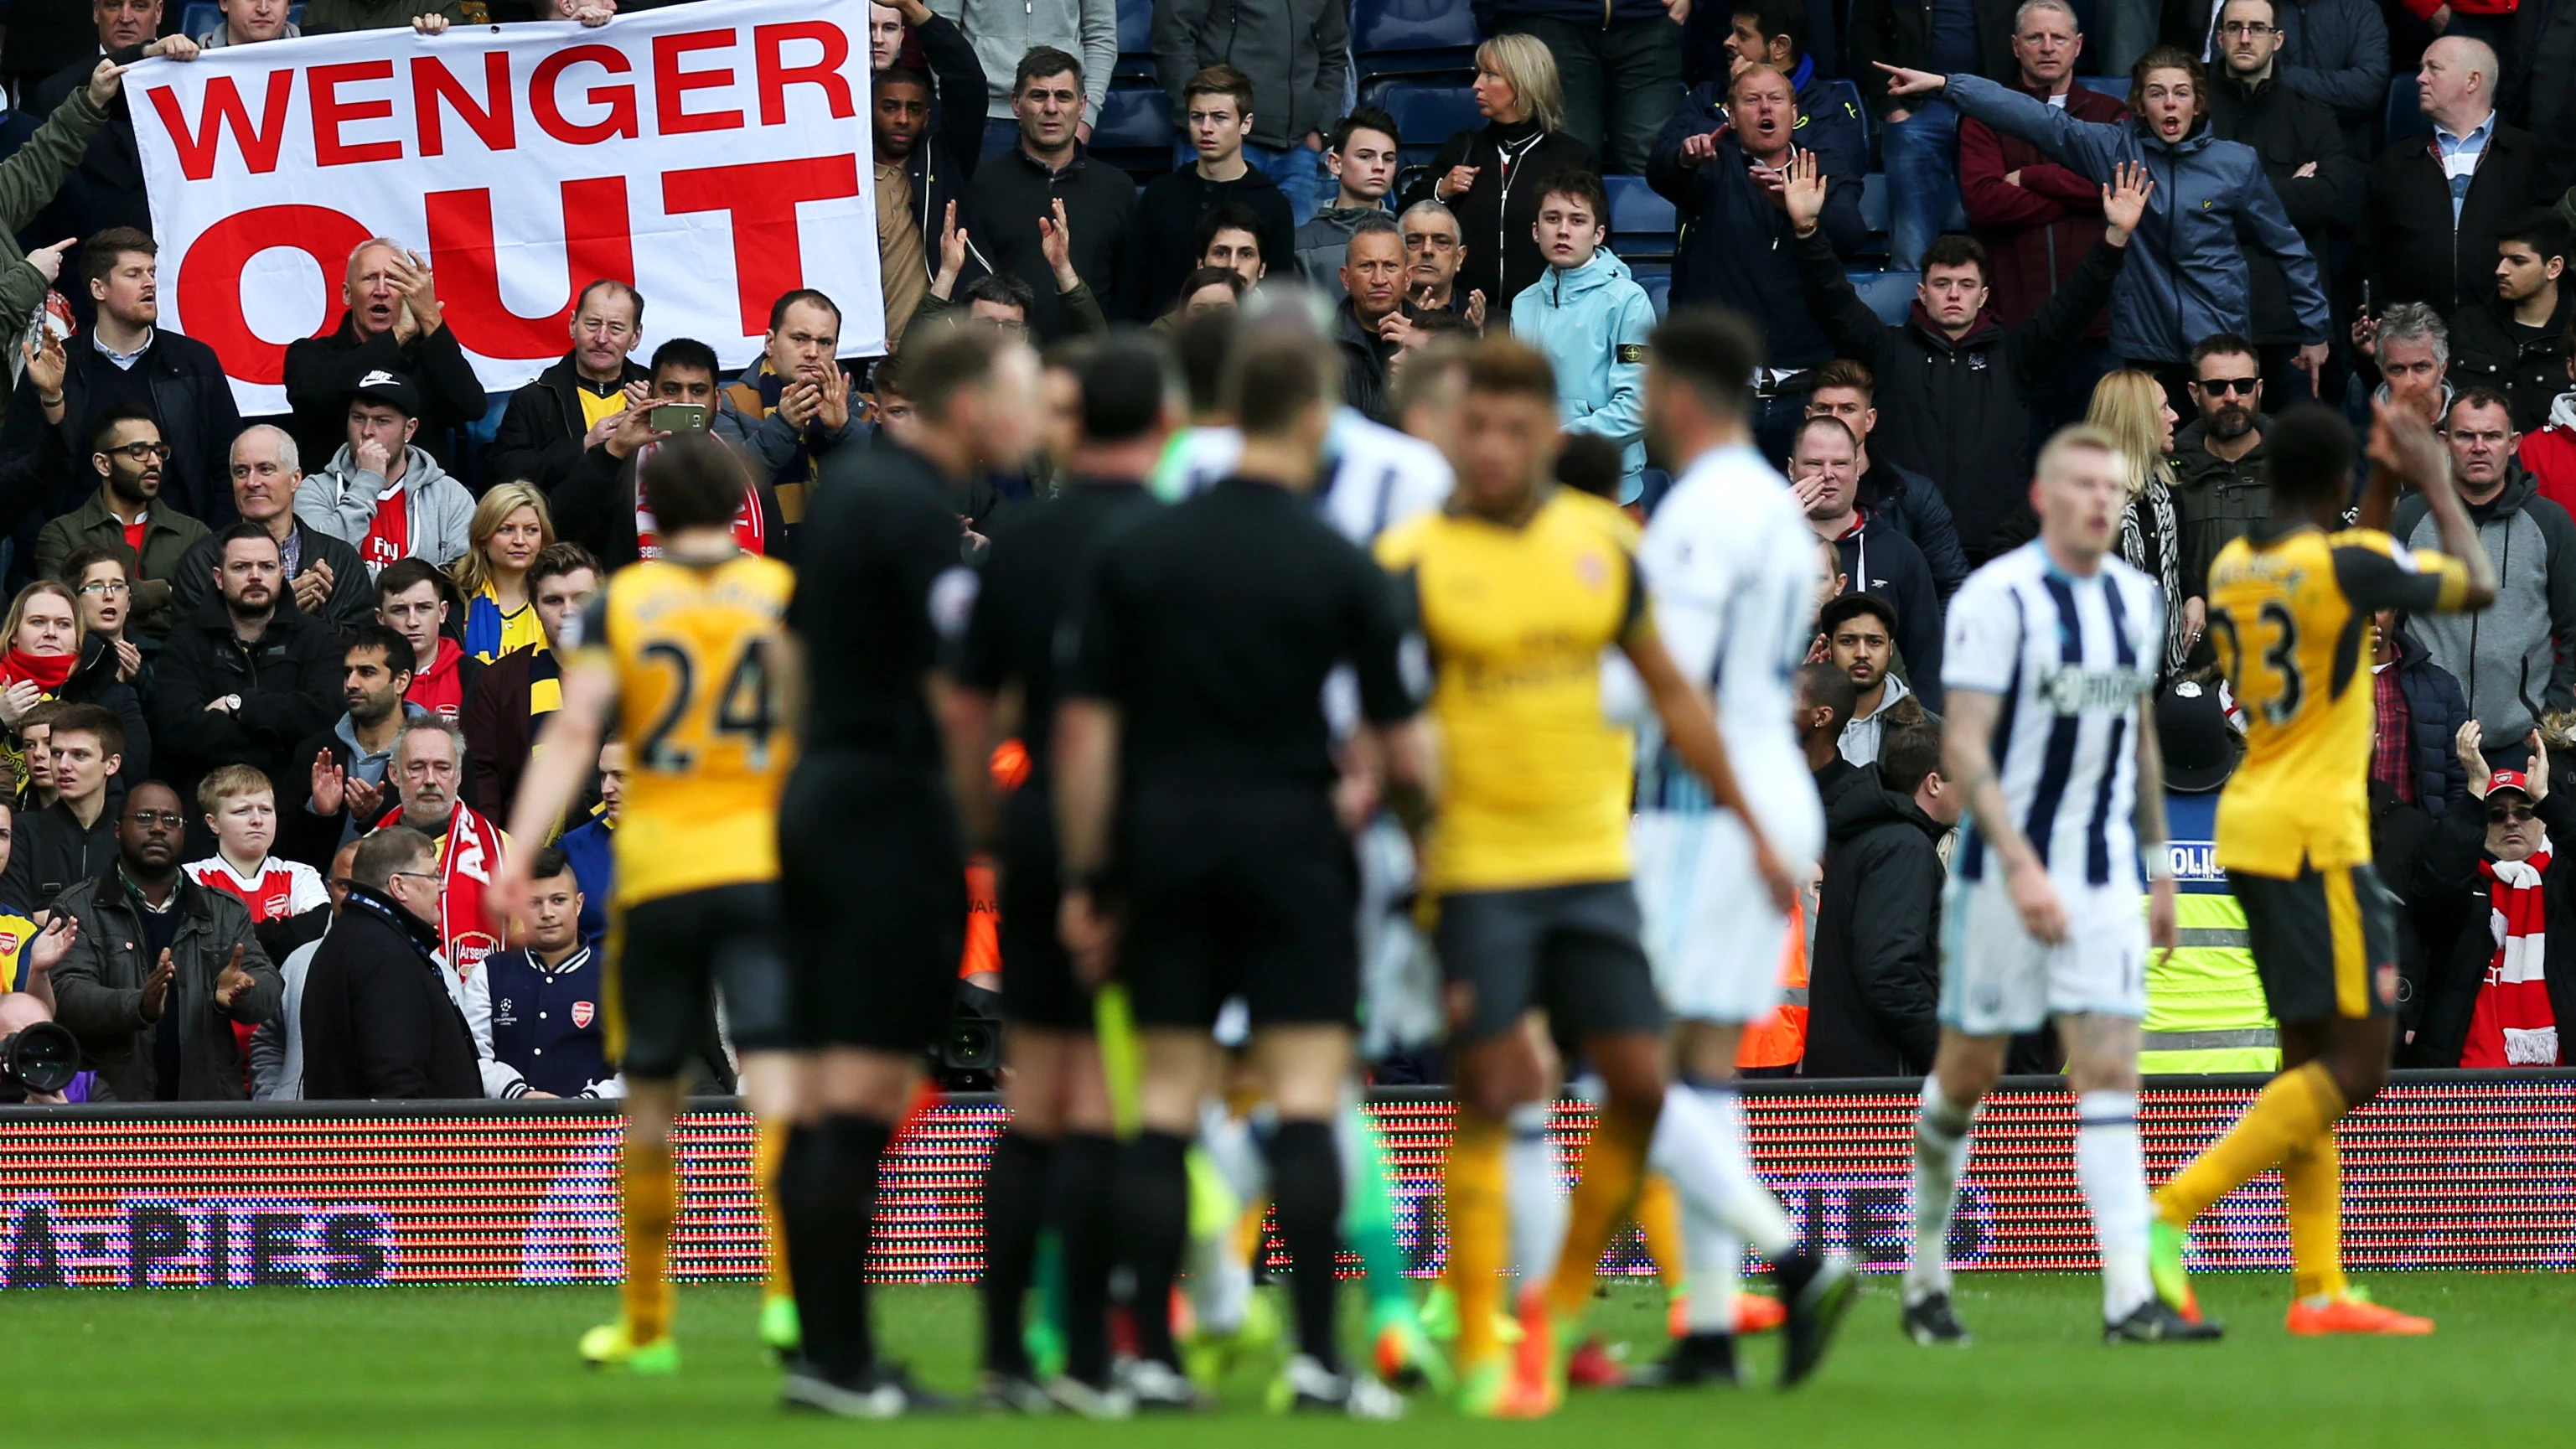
[2205, 1009]
[1780, 1039]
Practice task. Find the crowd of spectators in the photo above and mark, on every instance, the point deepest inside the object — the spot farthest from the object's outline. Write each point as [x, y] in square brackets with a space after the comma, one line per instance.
[313, 653]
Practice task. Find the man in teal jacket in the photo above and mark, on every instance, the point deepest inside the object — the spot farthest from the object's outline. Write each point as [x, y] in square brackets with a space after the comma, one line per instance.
[1591, 320]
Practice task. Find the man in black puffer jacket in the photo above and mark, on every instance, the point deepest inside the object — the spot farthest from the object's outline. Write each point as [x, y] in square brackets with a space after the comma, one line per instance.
[1876, 978]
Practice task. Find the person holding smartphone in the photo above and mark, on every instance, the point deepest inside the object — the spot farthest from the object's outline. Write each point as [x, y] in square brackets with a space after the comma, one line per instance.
[599, 506]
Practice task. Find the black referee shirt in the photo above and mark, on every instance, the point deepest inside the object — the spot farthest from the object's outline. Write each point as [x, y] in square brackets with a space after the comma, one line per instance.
[1212, 625]
[882, 554]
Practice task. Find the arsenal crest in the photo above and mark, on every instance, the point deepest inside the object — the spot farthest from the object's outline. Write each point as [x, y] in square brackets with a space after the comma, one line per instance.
[581, 1014]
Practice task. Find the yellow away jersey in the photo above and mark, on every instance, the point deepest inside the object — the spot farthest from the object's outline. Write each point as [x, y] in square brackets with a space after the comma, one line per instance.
[2289, 613]
[15, 932]
[1534, 781]
[699, 677]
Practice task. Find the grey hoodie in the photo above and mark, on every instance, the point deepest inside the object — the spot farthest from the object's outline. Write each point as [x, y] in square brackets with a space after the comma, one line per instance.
[1087, 29]
[341, 501]
[2502, 655]
[1322, 241]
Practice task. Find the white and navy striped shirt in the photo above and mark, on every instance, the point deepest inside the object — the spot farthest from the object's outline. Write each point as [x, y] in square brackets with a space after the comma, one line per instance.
[2070, 658]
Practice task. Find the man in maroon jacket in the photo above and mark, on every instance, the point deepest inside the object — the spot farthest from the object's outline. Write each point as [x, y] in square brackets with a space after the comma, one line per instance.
[2036, 218]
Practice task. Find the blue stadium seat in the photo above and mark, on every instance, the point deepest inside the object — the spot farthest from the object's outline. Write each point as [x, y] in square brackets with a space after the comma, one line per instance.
[1657, 279]
[1428, 114]
[1850, 91]
[199, 17]
[2405, 116]
[1135, 40]
[1412, 37]
[1873, 207]
[1135, 130]
[1889, 294]
[1642, 224]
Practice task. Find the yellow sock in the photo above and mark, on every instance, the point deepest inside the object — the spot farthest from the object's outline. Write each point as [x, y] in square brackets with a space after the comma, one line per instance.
[1614, 1167]
[766, 1152]
[652, 1191]
[2312, 1191]
[1659, 1217]
[1478, 1229]
[2300, 1105]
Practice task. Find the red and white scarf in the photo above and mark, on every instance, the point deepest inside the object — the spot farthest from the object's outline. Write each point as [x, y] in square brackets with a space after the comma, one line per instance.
[2513, 1025]
[467, 855]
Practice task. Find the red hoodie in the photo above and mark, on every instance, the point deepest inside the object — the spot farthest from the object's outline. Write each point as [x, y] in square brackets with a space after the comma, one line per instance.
[440, 688]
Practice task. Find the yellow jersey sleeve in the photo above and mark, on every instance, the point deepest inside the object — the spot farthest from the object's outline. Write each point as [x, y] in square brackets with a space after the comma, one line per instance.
[2376, 572]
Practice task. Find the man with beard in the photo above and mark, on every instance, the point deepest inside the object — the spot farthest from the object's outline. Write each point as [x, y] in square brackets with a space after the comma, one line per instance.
[917, 183]
[2512, 340]
[382, 492]
[1858, 631]
[2219, 469]
[244, 681]
[328, 578]
[125, 516]
[345, 766]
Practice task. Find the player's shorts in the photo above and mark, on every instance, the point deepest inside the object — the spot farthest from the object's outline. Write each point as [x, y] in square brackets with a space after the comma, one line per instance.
[1570, 949]
[1039, 987]
[1246, 890]
[1998, 980]
[2325, 943]
[668, 957]
[1716, 940]
[872, 870]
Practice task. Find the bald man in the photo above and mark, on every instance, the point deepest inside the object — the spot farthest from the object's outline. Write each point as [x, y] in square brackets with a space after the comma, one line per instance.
[393, 322]
[2474, 172]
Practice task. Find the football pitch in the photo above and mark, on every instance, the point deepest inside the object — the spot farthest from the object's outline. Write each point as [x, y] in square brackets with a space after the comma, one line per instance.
[459, 1366]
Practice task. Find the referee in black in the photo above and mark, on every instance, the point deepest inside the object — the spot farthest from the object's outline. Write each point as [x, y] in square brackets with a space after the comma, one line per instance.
[872, 860]
[1054, 1163]
[1204, 854]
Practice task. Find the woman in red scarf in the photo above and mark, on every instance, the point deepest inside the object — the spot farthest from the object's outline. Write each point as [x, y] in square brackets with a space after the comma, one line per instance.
[51, 656]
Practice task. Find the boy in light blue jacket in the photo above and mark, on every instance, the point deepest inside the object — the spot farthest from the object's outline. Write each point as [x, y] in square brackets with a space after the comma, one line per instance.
[1591, 320]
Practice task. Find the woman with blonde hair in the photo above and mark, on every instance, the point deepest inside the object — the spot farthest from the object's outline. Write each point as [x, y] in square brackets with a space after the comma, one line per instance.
[510, 527]
[50, 655]
[2130, 405]
[1490, 178]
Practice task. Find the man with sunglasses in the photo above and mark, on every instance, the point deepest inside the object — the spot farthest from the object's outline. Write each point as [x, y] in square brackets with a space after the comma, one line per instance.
[2492, 1000]
[127, 515]
[2219, 484]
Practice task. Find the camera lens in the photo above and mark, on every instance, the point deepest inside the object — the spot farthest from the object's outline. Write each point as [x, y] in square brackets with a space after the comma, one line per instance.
[42, 1057]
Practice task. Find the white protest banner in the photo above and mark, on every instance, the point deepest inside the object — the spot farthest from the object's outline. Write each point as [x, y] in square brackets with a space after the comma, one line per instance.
[713, 155]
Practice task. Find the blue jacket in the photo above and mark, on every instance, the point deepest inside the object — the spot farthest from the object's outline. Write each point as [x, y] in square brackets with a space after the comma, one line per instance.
[1736, 248]
[552, 1026]
[2435, 709]
[1592, 322]
[592, 848]
[2186, 278]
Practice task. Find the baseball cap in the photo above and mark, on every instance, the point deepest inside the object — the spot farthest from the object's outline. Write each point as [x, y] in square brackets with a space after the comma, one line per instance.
[390, 388]
[2509, 780]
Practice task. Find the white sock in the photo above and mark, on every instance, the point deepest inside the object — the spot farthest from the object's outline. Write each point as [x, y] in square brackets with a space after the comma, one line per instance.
[1219, 1276]
[1716, 1272]
[1530, 1194]
[2113, 1170]
[1235, 1151]
[1699, 1144]
[1940, 1155]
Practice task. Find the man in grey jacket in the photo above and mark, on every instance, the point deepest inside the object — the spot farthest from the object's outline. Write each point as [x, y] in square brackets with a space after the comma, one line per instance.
[2503, 655]
[1298, 55]
[383, 494]
[1087, 28]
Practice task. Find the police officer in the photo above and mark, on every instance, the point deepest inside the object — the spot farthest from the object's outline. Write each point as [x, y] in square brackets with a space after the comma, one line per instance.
[2205, 1010]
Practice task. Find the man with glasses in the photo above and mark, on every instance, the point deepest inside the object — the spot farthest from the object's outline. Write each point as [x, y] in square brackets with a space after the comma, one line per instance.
[126, 515]
[574, 405]
[376, 1022]
[1432, 256]
[328, 579]
[244, 681]
[2219, 466]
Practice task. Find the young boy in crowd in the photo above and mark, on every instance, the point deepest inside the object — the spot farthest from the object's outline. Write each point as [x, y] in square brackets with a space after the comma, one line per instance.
[1591, 320]
[241, 809]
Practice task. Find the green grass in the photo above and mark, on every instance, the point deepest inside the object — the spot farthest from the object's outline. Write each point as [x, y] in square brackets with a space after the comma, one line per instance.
[453, 1367]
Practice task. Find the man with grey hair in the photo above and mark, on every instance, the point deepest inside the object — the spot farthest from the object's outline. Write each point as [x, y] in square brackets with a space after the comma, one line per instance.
[329, 581]
[430, 768]
[2412, 351]
[572, 406]
[2436, 207]
[376, 1021]
[2037, 218]
[1434, 248]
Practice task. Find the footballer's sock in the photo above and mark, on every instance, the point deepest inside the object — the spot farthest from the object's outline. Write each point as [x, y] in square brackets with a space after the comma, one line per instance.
[1716, 1273]
[1153, 1198]
[651, 1189]
[768, 1150]
[1219, 1262]
[1368, 1210]
[1940, 1155]
[828, 1190]
[2312, 1193]
[2299, 1106]
[1306, 1190]
[1477, 1232]
[1659, 1220]
[1614, 1165]
[2113, 1172]
[1014, 1209]
[1086, 1164]
[1537, 1211]
[1700, 1144]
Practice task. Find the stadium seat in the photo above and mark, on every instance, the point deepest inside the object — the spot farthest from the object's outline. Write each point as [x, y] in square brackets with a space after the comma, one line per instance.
[1642, 224]
[2404, 119]
[1657, 279]
[1873, 210]
[1135, 42]
[1428, 113]
[2114, 86]
[1135, 131]
[1412, 37]
[199, 17]
[1889, 294]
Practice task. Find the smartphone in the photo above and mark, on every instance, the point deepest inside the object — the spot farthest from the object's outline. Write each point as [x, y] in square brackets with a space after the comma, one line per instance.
[678, 417]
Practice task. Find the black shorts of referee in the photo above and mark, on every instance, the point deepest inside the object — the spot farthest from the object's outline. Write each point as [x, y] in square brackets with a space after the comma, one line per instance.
[872, 873]
[1039, 985]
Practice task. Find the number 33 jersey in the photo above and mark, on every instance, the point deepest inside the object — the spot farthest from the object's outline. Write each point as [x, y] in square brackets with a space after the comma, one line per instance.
[696, 653]
[2289, 613]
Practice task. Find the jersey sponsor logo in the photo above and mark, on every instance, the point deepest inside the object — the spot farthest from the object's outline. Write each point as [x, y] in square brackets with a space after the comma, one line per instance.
[1593, 570]
[582, 1012]
[2074, 690]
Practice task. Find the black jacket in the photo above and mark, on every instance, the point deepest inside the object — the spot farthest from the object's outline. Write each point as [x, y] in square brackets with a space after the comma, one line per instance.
[353, 589]
[98, 988]
[540, 437]
[1737, 249]
[1167, 221]
[1912, 505]
[2456, 908]
[1881, 561]
[2531, 372]
[289, 685]
[1873, 985]
[1956, 411]
[1497, 213]
[2412, 250]
[1899, 32]
[1008, 195]
[2435, 710]
[2288, 131]
[107, 189]
[321, 370]
[378, 1022]
[2216, 500]
[190, 399]
[1364, 359]
[49, 853]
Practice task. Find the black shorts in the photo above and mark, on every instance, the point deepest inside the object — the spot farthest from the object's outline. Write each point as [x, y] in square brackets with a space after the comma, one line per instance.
[668, 958]
[1250, 891]
[1039, 987]
[1571, 949]
[2325, 943]
[872, 869]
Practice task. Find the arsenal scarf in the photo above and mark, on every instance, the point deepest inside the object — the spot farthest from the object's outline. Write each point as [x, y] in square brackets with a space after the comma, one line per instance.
[467, 855]
[2512, 1025]
[47, 670]
[388, 537]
